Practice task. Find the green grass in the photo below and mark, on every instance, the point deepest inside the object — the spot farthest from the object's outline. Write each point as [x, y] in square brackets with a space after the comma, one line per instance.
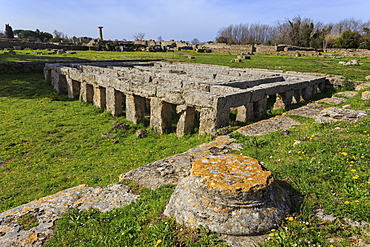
[49, 143]
[323, 65]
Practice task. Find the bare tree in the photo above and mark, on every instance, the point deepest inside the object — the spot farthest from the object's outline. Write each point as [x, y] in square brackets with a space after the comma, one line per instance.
[246, 33]
[159, 38]
[139, 36]
[195, 41]
[58, 34]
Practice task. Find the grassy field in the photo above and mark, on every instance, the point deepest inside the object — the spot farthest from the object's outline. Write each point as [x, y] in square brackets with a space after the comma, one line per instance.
[49, 143]
[320, 64]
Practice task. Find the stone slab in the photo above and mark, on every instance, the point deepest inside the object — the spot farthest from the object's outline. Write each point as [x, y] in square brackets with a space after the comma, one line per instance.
[347, 94]
[333, 100]
[266, 126]
[362, 86]
[50, 208]
[333, 114]
[365, 95]
[310, 110]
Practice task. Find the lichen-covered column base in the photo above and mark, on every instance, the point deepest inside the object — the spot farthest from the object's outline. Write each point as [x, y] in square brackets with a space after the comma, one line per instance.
[231, 194]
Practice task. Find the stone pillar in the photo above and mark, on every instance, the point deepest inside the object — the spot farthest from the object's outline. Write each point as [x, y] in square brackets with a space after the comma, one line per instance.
[99, 98]
[283, 100]
[74, 88]
[260, 108]
[245, 113]
[321, 86]
[160, 115]
[135, 108]
[87, 92]
[207, 121]
[59, 81]
[47, 74]
[101, 33]
[296, 96]
[186, 121]
[307, 92]
[114, 101]
[213, 118]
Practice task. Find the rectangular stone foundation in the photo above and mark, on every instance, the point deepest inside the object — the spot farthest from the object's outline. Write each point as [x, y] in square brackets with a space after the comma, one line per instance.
[208, 90]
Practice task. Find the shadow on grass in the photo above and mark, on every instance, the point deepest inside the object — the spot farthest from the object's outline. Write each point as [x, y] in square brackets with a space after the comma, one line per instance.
[28, 86]
[296, 198]
[33, 57]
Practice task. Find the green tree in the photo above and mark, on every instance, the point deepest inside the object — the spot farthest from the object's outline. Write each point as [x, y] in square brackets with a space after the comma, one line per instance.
[29, 34]
[9, 31]
[348, 39]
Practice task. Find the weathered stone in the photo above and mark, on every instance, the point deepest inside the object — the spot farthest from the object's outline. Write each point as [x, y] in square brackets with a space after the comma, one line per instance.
[141, 133]
[99, 97]
[212, 89]
[333, 100]
[135, 108]
[245, 113]
[185, 125]
[365, 95]
[170, 170]
[114, 101]
[334, 114]
[311, 110]
[362, 86]
[161, 115]
[231, 194]
[266, 126]
[49, 209]
[347, 94]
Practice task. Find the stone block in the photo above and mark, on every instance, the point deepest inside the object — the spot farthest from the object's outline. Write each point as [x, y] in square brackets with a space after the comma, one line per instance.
[114, 100]
[245, 201]
[207, 121]
[185, 125]
[99, 97]
[171, 95]
[365, 95]
[201, 99]
[135, 108]
[160, 115]
[257, 94]
[245, 113]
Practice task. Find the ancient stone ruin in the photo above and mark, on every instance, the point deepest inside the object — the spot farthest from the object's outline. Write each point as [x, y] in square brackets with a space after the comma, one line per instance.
[198, 95]
[231, 194]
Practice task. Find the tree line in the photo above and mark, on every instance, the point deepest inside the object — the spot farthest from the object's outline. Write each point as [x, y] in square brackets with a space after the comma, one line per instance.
[36, 35]
[298, 31]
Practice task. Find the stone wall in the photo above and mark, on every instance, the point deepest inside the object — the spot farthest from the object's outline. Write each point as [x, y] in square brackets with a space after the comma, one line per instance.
[38, 66]
[20, 45]
[207, 91]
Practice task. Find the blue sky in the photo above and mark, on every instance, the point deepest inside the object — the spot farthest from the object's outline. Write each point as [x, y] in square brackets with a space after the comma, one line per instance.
[170, 19]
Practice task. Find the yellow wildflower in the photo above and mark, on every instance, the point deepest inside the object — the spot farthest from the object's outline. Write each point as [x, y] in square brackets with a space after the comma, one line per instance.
[191, 222]
[346, 202]
[271, 234]
[289, 218]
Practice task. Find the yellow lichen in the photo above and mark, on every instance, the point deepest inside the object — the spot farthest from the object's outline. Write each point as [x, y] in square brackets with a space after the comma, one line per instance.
[232, 173]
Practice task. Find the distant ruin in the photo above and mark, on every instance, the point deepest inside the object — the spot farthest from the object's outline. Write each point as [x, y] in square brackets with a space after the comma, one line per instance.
[200, 95]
